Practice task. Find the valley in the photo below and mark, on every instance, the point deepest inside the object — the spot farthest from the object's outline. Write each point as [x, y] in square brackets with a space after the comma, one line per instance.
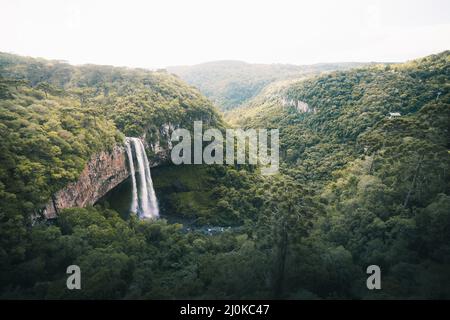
[230, 84]
[89, 147]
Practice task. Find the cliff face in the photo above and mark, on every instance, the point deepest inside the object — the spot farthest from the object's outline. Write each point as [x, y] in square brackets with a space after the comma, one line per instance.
[103, 172]
[299, 105]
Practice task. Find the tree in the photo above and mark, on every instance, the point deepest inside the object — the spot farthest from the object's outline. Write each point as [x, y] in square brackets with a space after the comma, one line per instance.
[286, 219]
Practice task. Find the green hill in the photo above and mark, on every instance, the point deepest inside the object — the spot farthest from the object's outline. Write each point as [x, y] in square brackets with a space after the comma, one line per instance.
[373, 145]
[343, 105]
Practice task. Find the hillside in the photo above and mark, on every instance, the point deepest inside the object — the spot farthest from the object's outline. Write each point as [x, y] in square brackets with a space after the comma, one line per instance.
[335, 109]
[373, 143]
[232, 83]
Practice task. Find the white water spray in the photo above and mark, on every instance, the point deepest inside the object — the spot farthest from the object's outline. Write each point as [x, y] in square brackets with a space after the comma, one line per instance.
[144, 200]
[134, 200]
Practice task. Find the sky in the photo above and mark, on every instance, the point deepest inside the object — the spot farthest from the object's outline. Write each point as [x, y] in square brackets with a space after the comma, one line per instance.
[160, 33]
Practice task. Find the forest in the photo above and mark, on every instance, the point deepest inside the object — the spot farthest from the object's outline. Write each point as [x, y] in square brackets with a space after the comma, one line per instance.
[357, 185]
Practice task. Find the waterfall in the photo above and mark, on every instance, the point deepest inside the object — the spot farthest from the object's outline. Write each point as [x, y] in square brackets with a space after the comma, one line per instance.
[144, 201]
[134, 199]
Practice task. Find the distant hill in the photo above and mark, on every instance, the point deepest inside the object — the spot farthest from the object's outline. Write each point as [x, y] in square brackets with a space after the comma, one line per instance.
[231, 83]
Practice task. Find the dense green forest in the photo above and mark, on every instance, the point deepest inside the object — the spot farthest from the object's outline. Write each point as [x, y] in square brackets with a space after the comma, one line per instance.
[356, 187]
[232, 83]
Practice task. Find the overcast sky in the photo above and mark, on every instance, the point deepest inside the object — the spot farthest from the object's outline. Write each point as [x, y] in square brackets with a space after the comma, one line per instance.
[160, 33]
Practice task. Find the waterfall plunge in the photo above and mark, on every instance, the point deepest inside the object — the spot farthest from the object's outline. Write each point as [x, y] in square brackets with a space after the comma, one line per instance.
[144, 200]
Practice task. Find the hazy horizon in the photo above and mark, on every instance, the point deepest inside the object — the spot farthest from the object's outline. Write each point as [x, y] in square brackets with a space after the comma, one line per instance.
[212, 61]
[160, 34]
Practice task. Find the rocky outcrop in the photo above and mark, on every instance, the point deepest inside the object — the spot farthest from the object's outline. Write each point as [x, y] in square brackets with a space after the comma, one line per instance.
[162, 145]
[298, 104]
[103, 172]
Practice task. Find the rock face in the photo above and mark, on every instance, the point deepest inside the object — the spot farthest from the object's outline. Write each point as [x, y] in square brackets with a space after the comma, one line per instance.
[298, 104]
[162, 144]
[103, 172]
